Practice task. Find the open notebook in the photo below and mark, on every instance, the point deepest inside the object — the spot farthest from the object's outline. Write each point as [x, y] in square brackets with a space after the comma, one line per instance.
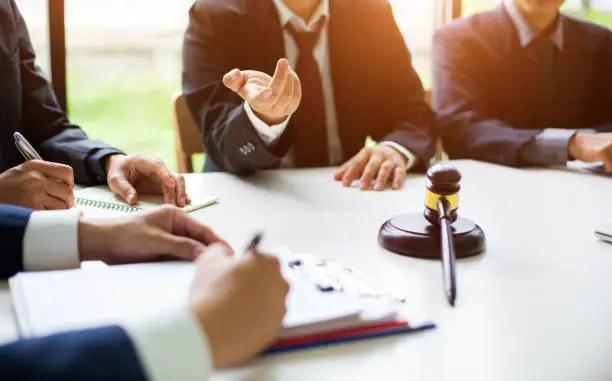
[327, 303]
[101, 200]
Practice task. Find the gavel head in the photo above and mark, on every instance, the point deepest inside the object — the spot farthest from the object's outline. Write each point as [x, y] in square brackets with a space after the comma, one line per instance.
[442, 183]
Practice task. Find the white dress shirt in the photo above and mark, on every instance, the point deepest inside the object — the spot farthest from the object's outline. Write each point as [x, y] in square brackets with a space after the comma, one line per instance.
[271, 134]
[170, 347]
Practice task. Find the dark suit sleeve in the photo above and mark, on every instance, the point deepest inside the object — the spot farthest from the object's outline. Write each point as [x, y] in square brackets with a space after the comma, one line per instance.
[405, 113]
[211, 49]
[13, 222]
[467, 129]
[96, 354]
[46, 125]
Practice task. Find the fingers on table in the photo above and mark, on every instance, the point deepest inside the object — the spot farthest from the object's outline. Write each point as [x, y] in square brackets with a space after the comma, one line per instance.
[356, 166]
[119, 184]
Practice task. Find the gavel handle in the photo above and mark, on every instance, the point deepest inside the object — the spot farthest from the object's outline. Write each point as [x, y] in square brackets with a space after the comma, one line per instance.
[447, 248]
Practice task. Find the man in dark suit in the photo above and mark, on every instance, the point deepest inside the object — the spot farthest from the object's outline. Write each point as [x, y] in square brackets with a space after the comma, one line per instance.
[524, 85]
[28, 105]
[353, 79]
[220, 328]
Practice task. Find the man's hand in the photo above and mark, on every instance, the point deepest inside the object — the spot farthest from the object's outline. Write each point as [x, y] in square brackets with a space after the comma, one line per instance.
[38, 185]
[592, 148]
[272, 99]
[239, 302]
[382, 163]
[142, 173]
[165, 232]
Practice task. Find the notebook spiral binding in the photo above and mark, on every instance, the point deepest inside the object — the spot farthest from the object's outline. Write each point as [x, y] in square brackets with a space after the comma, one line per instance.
[113, 206]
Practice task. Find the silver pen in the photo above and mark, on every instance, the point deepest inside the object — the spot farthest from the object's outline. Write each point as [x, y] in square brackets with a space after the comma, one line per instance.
[26, 149]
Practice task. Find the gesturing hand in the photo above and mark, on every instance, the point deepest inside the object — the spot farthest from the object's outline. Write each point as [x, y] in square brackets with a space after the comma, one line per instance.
[381, 162]
[129, 175]
[38, 185]
[273, 99]
[164, 231]
[240, 303]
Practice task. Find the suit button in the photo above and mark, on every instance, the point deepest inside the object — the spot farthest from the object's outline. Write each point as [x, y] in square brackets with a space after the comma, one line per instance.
[251, 146]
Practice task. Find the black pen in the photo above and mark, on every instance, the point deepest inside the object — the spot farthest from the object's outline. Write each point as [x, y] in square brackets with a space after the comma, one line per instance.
[448, 252]
[253, 245]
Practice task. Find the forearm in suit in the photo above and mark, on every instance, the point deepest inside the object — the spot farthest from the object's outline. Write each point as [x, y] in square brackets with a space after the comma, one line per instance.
[13, 222]
[45, 123]
[209, 53]
[406, 117]
[460, 104]
[97, 354]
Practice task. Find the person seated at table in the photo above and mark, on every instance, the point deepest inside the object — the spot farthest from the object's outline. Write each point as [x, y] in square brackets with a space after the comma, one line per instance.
[353, 78]
[236, 305]
[524, 85]
[29, 105]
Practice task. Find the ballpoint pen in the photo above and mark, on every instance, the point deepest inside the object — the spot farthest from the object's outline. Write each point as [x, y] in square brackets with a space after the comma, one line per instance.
[253, 245]
[448, 252]
[25, 148]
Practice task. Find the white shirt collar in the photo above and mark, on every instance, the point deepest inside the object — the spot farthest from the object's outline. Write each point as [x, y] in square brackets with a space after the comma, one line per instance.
[287, 15]
[526, 33]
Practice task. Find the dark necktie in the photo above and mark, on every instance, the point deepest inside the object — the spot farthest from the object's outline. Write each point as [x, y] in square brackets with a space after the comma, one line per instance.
[310, 146]
[544, 50]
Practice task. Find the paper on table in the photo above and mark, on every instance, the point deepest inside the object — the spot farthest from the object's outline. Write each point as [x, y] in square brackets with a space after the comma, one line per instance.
[73, 299]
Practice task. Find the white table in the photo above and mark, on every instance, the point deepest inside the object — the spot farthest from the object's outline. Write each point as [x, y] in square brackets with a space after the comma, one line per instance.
[536, 306]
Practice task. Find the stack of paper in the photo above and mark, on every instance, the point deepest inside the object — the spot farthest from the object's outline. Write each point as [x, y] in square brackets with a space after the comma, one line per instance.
[321, 309]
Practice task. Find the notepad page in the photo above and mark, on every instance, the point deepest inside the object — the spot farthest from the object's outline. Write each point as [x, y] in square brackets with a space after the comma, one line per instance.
[74, 299]
[103, 194]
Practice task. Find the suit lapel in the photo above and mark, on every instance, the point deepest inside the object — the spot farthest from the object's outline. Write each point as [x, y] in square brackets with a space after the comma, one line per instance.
[507, 37]
[267, 41]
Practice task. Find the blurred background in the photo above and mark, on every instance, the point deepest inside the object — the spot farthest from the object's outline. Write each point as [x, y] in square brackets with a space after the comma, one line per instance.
[124, 59]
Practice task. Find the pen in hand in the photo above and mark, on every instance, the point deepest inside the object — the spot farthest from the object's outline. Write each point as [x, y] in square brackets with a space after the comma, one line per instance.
[254, 244]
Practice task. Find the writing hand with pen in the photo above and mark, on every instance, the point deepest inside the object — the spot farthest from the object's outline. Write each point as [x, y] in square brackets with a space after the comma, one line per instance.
[38, 185]
[43, 185]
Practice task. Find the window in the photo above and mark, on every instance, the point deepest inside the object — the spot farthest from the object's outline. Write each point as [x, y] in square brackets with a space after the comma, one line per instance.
[123, 70]
[417, 20]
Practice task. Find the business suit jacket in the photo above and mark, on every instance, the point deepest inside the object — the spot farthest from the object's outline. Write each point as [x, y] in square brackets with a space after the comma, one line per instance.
[28, 105]
[104, 353]
[485, 86]
[377, 92]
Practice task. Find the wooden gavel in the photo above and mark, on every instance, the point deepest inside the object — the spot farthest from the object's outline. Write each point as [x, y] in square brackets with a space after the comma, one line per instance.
[441, 204]
[438, 233]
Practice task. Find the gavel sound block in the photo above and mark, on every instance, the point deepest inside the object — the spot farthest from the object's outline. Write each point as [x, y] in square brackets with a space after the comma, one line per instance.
[418, 235]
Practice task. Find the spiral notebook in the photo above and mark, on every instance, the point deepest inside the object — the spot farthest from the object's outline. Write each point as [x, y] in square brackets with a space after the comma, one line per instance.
[101, 201]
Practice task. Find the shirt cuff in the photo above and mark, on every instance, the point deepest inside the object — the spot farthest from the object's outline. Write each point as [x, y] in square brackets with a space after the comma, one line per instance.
[269, 134]
[51, 241]
[94, 163]
[410, 157]
[548, 148]
[172, 347]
